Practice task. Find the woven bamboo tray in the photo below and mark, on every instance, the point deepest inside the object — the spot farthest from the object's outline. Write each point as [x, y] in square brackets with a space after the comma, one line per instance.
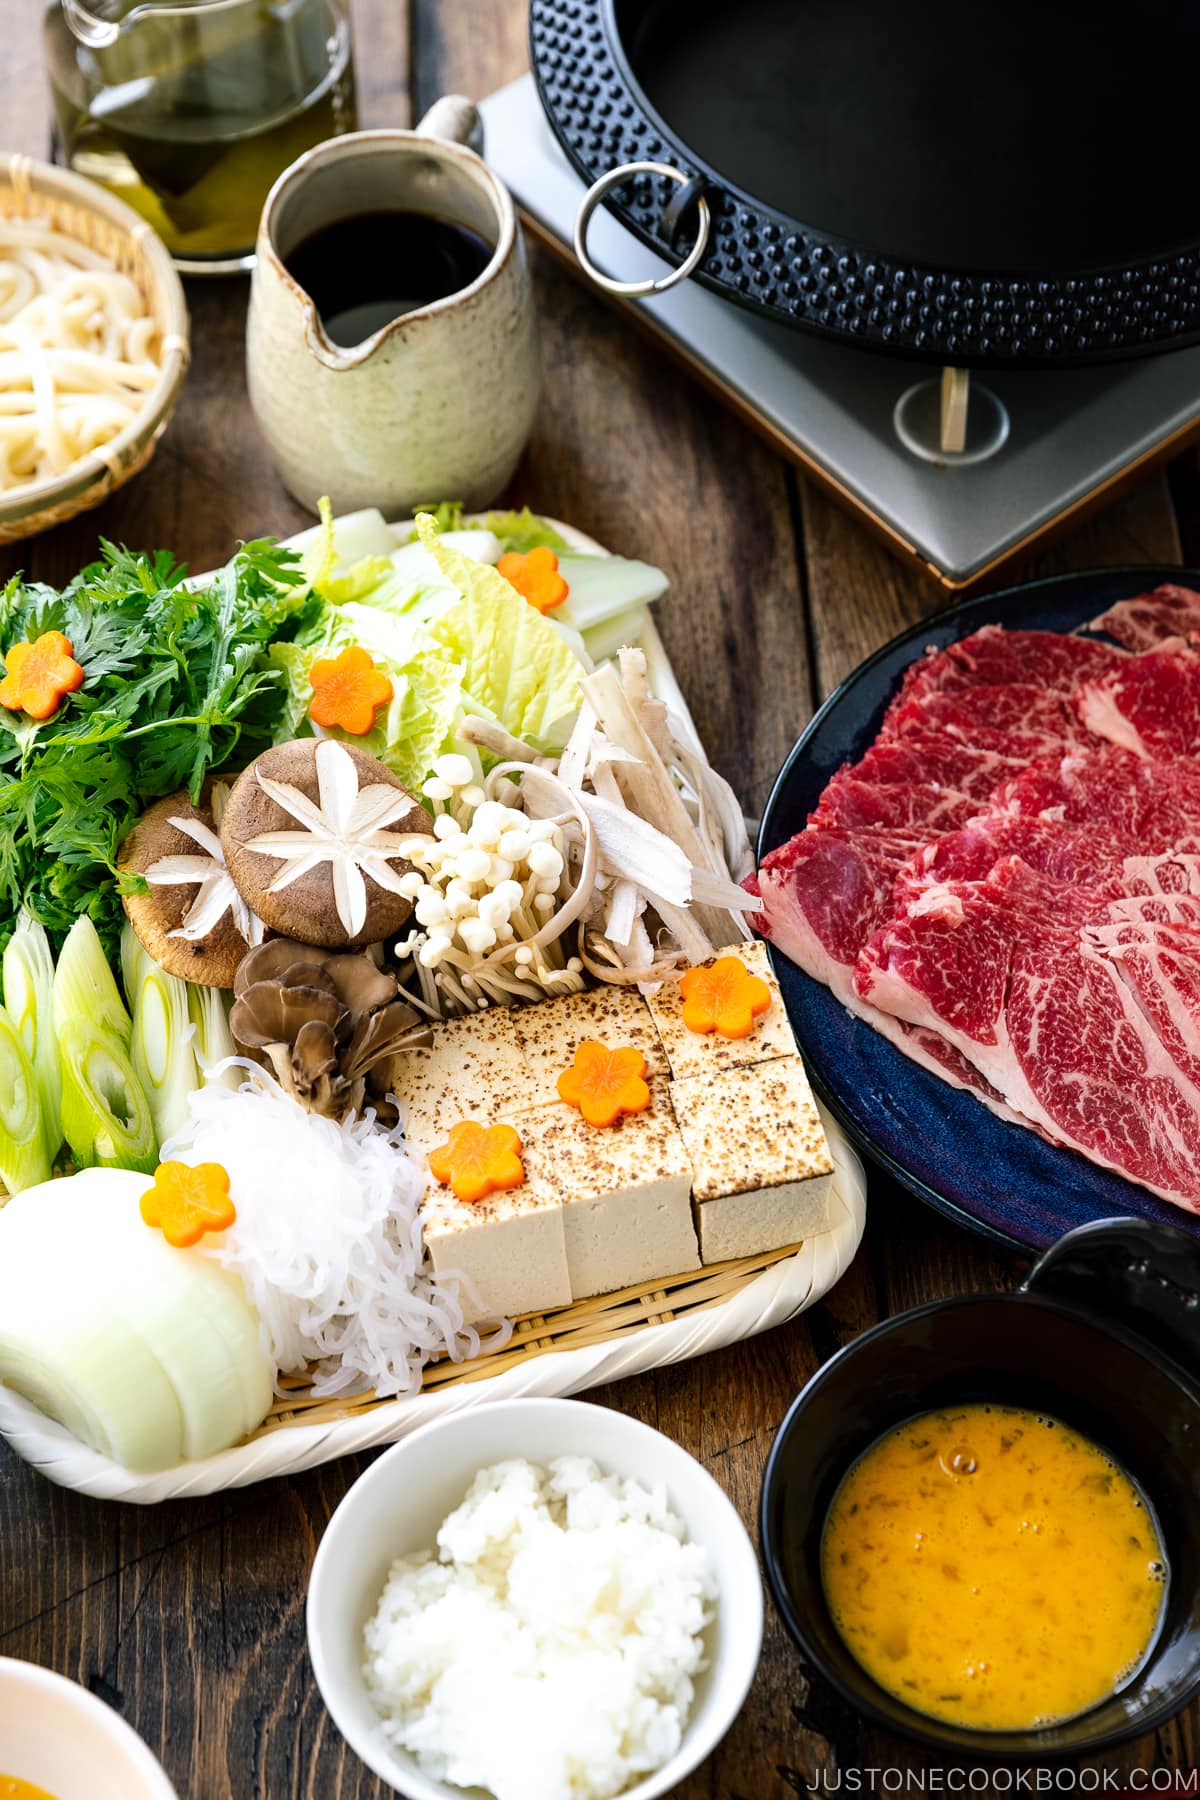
[563, 1352]
[86, 212]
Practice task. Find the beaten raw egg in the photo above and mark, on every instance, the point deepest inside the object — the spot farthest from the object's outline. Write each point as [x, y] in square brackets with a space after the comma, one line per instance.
[993, 1568]
[13, 1788]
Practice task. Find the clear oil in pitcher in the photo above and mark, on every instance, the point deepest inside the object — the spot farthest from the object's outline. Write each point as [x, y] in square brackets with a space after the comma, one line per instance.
[195, 109]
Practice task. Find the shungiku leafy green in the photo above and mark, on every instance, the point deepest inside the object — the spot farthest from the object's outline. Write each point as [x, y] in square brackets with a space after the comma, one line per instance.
[176, 682]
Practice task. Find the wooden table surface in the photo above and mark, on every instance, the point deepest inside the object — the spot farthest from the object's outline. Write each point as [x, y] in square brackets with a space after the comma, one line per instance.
[189, 1618]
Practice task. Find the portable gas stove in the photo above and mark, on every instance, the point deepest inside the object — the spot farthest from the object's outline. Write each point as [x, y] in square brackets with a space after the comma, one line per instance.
[1040, 446]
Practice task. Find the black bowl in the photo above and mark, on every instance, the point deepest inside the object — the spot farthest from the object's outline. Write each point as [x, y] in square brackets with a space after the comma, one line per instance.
[1055, 1348]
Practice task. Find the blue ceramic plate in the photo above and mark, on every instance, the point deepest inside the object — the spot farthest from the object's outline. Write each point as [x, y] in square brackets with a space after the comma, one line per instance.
[944, 1146]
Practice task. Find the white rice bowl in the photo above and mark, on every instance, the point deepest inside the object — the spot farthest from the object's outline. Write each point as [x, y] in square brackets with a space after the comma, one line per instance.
[547, 1651]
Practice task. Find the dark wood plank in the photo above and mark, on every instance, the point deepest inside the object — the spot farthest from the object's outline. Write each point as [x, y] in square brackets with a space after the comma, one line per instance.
[190, 1618]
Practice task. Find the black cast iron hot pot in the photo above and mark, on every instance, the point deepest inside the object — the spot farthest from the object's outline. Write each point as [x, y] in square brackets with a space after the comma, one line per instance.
[1008, 183]
[1105, 1335]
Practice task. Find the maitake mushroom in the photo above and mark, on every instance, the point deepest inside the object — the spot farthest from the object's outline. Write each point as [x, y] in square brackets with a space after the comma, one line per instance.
[192, 919]
[311, 834]
[321, 1021]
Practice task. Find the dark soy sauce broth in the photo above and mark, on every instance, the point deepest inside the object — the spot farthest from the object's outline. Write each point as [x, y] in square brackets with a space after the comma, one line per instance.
[363, 271]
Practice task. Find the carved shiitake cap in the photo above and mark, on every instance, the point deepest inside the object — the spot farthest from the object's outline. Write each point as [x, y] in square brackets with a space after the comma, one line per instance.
[211, 959]
[319, 904]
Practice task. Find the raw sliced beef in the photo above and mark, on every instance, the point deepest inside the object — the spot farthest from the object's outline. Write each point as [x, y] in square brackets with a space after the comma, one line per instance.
[1090, 854]
[946, 762]
[1060, 1000]
[1150, 704]
[1017, 720]
[1153, 805]
[1147, 619]
[826, 891]
[821, 893]
[993, 657]
[1007, 885]
[850, 803]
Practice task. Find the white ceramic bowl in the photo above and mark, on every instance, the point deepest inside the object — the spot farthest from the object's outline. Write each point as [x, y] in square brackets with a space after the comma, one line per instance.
[399, 1503]
[56, 1735]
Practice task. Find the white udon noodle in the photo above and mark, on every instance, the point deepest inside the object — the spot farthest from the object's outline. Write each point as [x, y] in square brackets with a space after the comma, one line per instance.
[78, 352]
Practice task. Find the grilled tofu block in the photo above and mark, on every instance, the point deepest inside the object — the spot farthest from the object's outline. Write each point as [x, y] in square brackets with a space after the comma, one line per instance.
[550, 1034]
[510, 1247]
[694, 1053]
[624, 1191]
[763, 1174]
[474, 1069]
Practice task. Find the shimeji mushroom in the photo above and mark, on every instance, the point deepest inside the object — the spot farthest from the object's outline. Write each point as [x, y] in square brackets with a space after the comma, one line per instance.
[312, 833]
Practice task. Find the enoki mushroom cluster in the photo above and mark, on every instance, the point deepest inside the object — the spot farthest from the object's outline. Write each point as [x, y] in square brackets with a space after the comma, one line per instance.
[78, 352]
[485, 890]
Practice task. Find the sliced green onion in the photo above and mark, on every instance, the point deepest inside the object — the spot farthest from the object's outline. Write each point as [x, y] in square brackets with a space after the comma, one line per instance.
[163, 1059]
[105, 1113]
[213, 1042]
[84, 988]
[24, 1158]
[29, 1003]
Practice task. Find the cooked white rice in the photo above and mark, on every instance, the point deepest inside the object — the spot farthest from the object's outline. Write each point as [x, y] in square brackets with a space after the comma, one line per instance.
[547, 1651]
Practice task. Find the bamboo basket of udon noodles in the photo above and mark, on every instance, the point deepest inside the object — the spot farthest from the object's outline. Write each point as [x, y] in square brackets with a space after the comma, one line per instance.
[93, 344]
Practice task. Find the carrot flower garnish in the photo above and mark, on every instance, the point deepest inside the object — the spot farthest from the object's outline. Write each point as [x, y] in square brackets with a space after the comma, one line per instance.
[605, 1083]
[478, 1160]
[186, 1202]
[348, 691]
[534, 574]
[39, 676]
[724, 997]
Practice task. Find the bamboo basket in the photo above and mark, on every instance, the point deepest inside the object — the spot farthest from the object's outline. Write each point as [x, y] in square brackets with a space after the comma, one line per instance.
[582, 1346]
[86, 212]
[608, 1338]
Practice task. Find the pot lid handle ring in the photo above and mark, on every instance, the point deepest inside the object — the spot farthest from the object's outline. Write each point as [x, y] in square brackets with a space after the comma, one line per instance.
[640, 290]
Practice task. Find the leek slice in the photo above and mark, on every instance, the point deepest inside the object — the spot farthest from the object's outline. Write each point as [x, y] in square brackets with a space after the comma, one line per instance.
[24, 1158]
[163, 1059]
[84, 988]
[29, 1003]
[213, 1041]
[105, 1114]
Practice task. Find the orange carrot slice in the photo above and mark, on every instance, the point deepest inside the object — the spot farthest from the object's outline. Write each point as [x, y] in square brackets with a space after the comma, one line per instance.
[478, 1160]
[187, 1201]
[605, 1083]
[724, 997]
[39, 676]
[348, 691]
[534, 574]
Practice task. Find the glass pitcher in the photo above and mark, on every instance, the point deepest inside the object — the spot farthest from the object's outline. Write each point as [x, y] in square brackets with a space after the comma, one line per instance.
[189, 109]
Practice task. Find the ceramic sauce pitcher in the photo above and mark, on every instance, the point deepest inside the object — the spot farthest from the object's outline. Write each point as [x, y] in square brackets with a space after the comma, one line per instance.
[437, 403]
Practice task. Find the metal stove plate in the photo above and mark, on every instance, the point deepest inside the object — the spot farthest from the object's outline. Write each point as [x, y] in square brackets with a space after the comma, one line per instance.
[1074, 432]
